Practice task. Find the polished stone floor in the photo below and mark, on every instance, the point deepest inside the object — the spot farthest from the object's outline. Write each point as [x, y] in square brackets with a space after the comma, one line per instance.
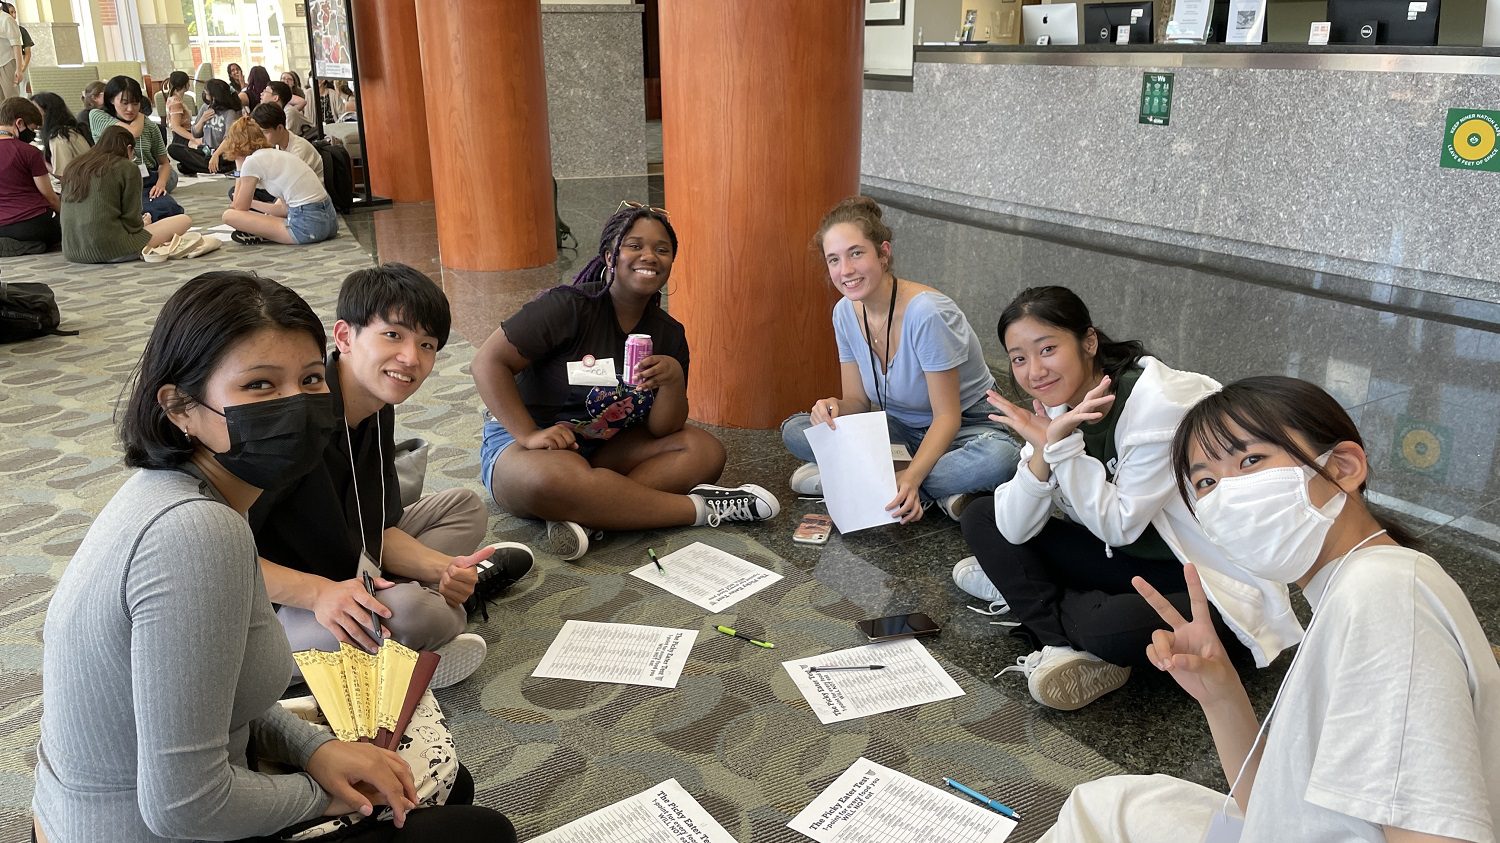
[1419, 372]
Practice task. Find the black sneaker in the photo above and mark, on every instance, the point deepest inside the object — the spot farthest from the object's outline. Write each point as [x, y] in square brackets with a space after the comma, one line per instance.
[741, 503]
[507, 564]
[247, 238]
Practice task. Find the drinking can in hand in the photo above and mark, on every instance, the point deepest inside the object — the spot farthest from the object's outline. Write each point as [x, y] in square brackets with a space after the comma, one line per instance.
[637, 348]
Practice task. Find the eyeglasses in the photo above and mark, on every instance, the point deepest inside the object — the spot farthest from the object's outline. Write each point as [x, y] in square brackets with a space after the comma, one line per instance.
[637, 206]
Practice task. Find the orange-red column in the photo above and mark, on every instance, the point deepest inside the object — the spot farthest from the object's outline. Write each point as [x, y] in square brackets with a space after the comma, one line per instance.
[391, 92]
[761, 108]
[486, 99]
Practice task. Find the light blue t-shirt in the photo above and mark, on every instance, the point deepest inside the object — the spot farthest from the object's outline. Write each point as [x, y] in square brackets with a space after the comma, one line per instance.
[935, 337]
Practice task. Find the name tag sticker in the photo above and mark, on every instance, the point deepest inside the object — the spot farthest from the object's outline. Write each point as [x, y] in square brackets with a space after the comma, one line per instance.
[1224, 828]
[144, 172]
[1420, 6]
[601, 373]
[367, 566]
[1135, 14]
[899, 453]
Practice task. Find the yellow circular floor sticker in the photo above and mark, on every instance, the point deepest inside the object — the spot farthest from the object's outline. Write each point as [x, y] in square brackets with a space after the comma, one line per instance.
[1421, 448]
[1474, 139]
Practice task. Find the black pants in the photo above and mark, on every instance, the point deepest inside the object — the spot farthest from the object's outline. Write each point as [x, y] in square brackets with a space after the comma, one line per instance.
[1066, 592]
[39, 229]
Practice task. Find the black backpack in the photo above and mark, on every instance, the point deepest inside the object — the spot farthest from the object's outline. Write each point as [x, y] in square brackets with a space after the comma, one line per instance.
[338, 175]
[29, 310]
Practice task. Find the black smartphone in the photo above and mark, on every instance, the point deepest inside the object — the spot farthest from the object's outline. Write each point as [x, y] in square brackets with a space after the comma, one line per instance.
[913, 625]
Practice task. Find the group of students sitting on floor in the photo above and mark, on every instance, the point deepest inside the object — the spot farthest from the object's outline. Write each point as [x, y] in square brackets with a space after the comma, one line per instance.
[100, 184]
[1150, 518]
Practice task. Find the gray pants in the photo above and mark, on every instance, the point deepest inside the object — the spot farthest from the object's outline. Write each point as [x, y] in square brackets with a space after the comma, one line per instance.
[453, 521]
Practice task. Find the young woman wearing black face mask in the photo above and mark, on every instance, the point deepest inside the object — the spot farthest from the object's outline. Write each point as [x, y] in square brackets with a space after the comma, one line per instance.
[163, 659]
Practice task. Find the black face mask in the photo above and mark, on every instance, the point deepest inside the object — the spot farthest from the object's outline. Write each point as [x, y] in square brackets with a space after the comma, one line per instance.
[26, 136]
[274, 443]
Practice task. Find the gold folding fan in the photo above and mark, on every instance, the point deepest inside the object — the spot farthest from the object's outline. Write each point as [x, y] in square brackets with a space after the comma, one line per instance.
[367, 696]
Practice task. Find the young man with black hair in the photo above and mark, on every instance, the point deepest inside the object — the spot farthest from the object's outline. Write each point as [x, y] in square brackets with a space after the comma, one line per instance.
[280, 93]
[272, 120]
[319, 537]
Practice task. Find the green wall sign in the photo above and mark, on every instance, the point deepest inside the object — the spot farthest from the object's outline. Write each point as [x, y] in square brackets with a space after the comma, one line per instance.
[1469, 140]
[1156, 99]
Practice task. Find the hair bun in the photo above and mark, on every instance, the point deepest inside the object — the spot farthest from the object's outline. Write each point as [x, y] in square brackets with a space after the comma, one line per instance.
[860, 203]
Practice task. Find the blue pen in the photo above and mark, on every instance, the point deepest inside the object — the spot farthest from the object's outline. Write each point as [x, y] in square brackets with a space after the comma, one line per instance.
[968, 791]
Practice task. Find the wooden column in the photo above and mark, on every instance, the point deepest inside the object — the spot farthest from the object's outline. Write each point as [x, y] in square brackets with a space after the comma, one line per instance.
[486, 100]
[392, 94]
[761, 104]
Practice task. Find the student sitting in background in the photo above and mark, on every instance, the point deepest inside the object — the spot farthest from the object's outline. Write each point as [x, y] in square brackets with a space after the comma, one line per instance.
[93, 97]
[123, 104]
[220, 109]
[279, 94]
[272, 120]
[28, 205]
[301, 212]
[392, 321]
[62, 138]
[102, 220]
[298, 99]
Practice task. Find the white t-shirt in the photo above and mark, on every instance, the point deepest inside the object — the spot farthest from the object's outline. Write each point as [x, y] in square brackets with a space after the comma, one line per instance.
[284, 176]
[10, 38]
[306, 152]
[1391, 714]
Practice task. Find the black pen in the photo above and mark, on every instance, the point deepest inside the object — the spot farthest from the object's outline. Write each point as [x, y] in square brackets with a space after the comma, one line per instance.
[651, 552]
[847, 667]
[374, 618]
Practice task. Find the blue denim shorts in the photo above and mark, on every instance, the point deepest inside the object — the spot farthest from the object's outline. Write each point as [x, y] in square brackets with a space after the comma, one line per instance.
[496, 439]
[313, 222]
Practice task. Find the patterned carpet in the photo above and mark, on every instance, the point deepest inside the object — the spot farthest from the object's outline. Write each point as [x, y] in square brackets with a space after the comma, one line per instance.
[735, 732]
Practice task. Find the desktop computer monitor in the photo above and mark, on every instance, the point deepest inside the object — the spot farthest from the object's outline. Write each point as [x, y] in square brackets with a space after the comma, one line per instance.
[1395, 22]
[1102, 20]
[1058, 21]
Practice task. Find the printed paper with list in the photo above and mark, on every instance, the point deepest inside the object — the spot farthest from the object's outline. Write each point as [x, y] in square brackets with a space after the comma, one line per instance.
[871, 803]
[854, 466]
[911, 677]
[664, 814]
[618, 652]
[707, 576]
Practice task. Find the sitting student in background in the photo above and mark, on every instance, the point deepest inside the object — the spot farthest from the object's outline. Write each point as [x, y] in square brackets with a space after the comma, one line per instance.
[28, 204]
[301, 212]
[1098, 446]
[298, 99]
[392, 321]
[123, 103]
[255, 85]
[910, 348]
[278, 93]
[345, 101]
[1384, 730]
[177, 121]
[582, 449]
[163, 659]
[236, 76]
[272, 121]
[93, 97]
[62, 138]
[102, 220]
[221, 107]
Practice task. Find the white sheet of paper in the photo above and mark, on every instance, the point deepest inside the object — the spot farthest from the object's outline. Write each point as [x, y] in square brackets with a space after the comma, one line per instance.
[854, 464]
[911, 677]
[1246, 19]
[664, 814]
[226, 228]
[871, 803]
[618, 652]
[707, 576]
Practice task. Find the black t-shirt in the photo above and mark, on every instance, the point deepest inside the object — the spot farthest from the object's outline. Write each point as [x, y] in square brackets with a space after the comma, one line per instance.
[564, 325]
[83, 125]
[313, 525]
[1099, 443]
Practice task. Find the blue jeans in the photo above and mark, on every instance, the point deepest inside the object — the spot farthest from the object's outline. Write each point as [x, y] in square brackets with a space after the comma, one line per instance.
[980, 458]
[313, 222]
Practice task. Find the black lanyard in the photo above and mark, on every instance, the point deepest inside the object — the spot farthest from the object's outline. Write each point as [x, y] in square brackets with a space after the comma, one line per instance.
[890, 317]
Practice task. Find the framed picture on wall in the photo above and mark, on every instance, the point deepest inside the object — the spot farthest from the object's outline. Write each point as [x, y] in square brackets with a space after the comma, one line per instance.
[885, 12]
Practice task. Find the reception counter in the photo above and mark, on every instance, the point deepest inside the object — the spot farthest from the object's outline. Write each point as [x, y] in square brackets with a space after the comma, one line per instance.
[1326, 159]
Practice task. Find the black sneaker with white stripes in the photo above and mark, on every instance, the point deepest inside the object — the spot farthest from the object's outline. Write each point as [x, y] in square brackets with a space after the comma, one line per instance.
[508, 562]
[740, 503]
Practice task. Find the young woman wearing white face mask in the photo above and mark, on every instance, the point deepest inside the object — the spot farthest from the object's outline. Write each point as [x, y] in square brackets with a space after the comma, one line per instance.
[1387, 727]
[1097, 436]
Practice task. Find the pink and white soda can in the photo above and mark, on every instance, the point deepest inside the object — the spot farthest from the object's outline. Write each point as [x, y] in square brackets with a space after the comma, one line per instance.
[637, 348]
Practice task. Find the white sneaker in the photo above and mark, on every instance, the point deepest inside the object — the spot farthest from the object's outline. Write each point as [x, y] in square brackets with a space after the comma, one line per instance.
[567, 540]
[741, 503]
[1067, 679]
[807, 481]
[953, 505]
[968, 576]
[458, 660]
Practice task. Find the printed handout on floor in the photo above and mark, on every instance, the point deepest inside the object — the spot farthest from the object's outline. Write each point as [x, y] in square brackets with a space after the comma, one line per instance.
[618, 652]
[707, 576]
[871, 679]
[871, 803]
[664, 814]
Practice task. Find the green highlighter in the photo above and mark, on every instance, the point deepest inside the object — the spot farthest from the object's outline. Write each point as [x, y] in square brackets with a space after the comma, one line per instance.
[727, 631]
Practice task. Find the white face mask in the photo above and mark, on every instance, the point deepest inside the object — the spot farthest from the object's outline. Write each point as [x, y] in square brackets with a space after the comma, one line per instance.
[1266, 523]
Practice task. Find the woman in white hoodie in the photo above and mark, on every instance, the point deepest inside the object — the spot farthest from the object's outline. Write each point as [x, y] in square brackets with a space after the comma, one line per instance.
[1098, 449]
